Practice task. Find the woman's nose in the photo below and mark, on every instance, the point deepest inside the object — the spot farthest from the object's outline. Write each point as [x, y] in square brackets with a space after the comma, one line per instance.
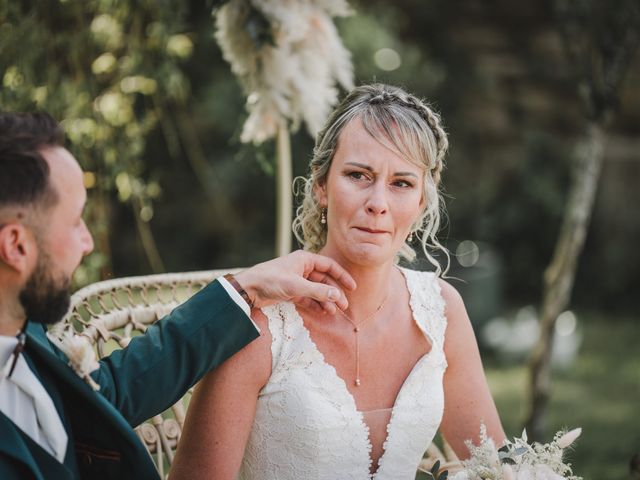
[377, 201]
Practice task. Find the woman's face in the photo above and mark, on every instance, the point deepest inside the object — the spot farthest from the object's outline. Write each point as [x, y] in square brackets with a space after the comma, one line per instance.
[372, 196]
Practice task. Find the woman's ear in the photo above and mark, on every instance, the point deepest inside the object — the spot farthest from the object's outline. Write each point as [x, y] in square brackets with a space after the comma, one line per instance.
[320, 192]
[17, 246]
[423, 202]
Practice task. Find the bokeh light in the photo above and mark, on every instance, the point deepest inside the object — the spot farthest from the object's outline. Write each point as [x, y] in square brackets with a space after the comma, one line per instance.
[566, 323]
[387, 59]
[467, 253]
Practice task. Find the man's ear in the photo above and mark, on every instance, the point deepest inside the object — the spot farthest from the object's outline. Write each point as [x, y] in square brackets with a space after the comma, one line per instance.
[17, 246]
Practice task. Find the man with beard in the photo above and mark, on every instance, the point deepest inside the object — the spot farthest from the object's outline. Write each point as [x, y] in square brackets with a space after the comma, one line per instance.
[52, 424]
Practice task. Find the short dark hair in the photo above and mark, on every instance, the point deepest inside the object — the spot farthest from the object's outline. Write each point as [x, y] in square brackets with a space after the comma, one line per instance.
[24, 173]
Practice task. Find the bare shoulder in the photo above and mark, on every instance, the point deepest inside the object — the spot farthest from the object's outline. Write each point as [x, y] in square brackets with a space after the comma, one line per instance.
[454, 305]
[459, 337]
[449, 292]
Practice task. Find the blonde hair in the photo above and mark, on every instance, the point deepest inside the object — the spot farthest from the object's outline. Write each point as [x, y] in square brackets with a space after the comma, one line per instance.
[401, 122]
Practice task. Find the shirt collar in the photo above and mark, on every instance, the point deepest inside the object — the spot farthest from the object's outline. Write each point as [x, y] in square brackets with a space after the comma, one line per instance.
[7, 346]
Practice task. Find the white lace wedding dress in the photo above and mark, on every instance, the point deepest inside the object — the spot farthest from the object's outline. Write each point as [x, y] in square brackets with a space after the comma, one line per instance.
[307, 426]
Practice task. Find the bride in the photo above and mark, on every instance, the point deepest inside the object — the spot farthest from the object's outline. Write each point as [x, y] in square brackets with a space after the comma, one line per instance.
[359, 394]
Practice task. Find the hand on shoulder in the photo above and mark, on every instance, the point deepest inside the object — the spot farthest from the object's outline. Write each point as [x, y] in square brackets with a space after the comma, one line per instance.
[302, 277]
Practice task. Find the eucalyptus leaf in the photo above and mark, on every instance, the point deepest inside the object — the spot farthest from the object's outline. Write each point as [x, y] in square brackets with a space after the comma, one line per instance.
[424, 476]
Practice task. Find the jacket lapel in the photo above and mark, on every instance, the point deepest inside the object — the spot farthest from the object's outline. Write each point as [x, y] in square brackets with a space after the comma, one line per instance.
[17, 445]
[44, 355]
[75, 388]
[92, 418]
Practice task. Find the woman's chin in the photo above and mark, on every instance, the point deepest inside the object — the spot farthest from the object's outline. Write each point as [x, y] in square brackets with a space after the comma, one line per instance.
[368, 254]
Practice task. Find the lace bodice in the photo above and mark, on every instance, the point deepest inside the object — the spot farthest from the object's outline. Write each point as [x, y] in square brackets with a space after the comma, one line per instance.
[307, 425]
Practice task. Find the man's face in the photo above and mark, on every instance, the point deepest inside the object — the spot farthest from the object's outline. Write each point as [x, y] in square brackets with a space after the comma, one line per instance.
[63, 239]
[44, 299]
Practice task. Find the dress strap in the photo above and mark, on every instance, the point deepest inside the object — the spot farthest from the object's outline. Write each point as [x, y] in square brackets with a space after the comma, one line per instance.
[285, 325]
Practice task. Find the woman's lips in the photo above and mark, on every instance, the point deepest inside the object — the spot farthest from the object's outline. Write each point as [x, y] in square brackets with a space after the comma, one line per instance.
[370, 230]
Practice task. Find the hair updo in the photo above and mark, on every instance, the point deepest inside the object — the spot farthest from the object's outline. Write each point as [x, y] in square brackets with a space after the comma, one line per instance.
[401, 122]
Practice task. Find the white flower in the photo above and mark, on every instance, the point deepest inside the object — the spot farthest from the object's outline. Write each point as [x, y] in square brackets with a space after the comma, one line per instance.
[507, 472]
[537, 472]
[461, 475]
[294, 79]
[78, 349]
[568, 438]
[518, 460]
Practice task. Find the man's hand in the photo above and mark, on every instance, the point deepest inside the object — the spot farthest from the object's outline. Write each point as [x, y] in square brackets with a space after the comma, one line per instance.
[305, 278]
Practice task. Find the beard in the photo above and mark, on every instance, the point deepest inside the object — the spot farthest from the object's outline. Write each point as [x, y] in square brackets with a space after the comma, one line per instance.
[44, 299]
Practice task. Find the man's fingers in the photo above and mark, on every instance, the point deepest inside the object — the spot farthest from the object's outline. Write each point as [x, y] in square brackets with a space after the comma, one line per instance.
[316, 307]
[331, 268]
[321, 277]
[329, 307]
[324, 294]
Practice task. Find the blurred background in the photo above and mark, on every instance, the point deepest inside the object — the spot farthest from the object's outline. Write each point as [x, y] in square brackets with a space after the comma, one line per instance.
[154, 115]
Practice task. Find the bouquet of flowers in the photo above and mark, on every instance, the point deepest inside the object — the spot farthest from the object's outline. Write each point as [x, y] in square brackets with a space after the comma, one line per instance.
[515, 460]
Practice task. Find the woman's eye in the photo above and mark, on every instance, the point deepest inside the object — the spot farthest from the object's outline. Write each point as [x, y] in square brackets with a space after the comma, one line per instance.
[356, 175]
[402, 183]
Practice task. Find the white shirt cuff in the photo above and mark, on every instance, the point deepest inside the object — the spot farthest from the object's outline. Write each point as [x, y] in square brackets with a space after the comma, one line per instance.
[235, 296]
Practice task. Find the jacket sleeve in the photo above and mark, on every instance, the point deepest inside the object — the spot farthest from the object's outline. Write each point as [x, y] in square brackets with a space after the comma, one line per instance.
[157, 368]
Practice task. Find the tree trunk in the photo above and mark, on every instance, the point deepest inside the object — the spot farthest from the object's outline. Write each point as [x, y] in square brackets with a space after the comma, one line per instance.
[220, 204]
[146, 237]
[560, 274]
[284, 180]
[102, 208]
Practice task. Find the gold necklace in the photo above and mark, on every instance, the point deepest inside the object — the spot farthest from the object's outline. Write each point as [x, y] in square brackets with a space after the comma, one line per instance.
[356, 331]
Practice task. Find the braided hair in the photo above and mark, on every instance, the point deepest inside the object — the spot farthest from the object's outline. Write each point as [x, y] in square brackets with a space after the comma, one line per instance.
[401, 122]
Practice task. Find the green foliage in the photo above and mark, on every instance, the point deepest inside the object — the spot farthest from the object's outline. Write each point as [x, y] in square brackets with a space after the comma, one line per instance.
[527, 225]
[153, 112]
[418, 70]
[433, 473]
[107, 70]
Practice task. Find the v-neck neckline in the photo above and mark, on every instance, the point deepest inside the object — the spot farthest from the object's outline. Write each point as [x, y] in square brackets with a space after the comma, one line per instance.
[342, 385]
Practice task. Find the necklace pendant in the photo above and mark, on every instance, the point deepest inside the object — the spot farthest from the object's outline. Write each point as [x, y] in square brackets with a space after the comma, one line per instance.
[357, 382]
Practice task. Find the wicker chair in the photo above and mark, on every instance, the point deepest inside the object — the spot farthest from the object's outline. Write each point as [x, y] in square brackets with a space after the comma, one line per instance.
[111, 312]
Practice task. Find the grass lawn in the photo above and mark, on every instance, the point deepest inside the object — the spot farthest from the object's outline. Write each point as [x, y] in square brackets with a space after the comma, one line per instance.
[600, 392]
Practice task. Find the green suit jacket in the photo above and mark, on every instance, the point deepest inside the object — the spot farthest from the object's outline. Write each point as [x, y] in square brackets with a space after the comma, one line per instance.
[144, 379]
